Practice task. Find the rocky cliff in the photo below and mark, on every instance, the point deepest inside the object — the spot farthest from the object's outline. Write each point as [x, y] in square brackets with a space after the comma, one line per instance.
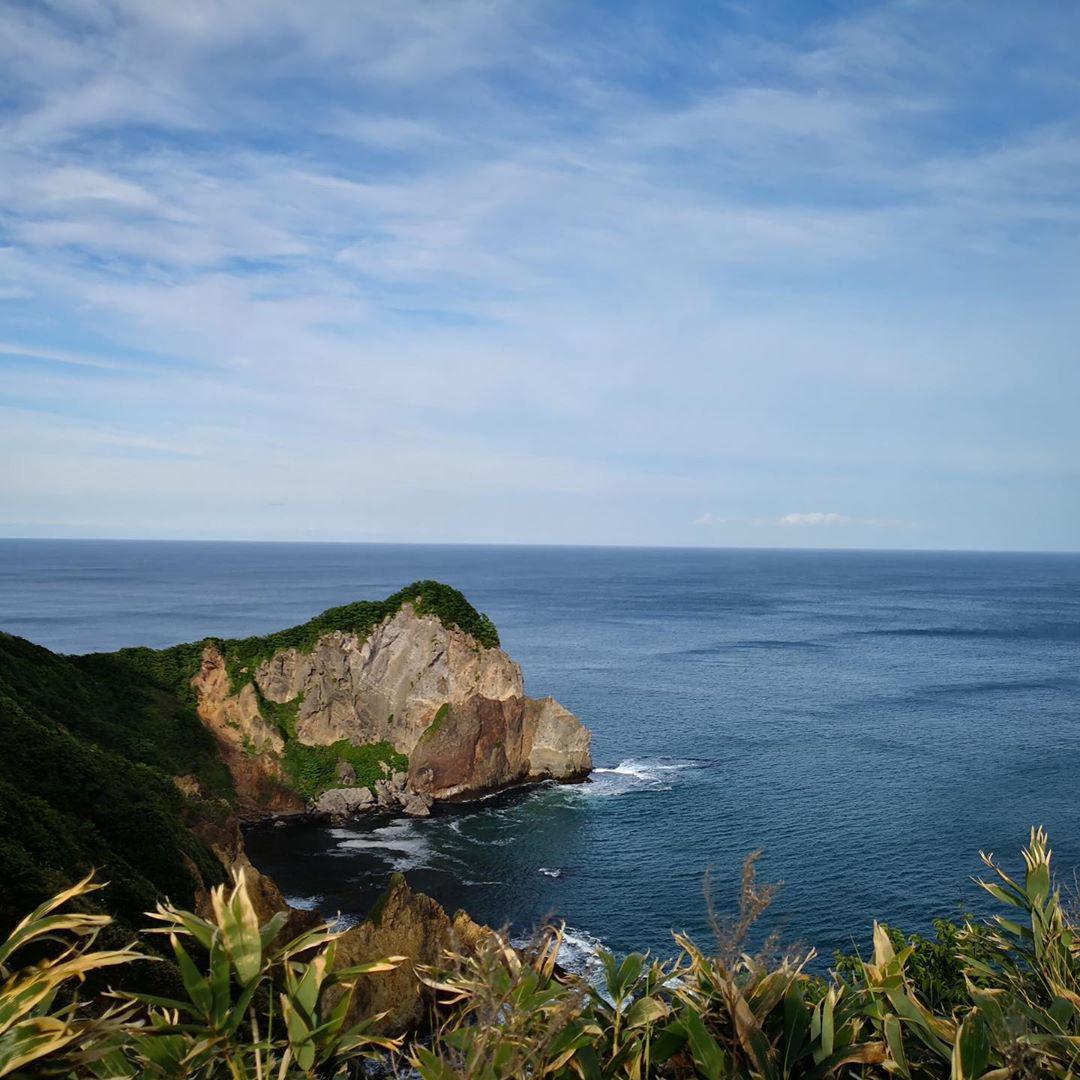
[141, 763]
[398, 712]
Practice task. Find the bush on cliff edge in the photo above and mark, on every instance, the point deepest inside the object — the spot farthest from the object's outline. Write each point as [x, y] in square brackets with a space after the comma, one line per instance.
[254, 1008]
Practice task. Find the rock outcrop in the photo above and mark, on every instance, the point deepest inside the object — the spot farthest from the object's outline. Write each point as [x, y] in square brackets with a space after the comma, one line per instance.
[412, 925]
[412, 682]
[388, 685]
[250, 746]
[481, 745]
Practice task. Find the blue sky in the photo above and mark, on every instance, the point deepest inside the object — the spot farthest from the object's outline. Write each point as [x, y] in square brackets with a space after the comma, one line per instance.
[757, 274]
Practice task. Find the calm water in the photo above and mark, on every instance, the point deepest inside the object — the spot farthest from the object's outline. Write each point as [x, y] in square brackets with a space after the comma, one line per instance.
[869, 719]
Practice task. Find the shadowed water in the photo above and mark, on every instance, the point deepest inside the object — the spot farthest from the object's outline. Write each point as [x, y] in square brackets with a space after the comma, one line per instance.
[870, 719]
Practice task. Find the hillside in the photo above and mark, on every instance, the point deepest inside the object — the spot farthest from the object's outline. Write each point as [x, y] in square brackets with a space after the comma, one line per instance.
[86, 780]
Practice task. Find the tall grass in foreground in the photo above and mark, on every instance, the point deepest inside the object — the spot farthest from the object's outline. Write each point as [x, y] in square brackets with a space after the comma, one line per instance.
[990, 1000]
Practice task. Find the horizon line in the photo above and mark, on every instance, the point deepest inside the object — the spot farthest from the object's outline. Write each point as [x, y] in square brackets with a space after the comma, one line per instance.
[524, 544]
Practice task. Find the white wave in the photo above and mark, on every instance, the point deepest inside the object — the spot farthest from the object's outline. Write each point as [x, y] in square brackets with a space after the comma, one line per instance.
[405, 848]
[550, 871]
[343, 834]
[304, 903]
[627, 768]
[579, 953]
[634, 773]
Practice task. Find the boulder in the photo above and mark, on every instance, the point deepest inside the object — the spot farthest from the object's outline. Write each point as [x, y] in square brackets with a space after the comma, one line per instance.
[416, 804]
[340, 803]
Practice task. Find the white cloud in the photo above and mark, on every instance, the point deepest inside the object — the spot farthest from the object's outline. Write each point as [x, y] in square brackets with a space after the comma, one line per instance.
[812, 519]
[472, 224]
[831, 520]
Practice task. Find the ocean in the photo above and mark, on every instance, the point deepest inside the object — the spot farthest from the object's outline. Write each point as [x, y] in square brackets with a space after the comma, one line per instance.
[869, 720]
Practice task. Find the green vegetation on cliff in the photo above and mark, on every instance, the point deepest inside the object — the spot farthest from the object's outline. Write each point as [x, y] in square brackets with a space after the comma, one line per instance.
[310, 770]
[174, 667]
[90, 748]
[244, 655]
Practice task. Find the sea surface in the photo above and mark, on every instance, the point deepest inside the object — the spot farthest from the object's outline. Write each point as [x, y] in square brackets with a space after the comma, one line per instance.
[869, 719]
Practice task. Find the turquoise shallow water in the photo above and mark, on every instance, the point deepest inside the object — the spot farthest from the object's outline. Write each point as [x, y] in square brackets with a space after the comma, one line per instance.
[869, 719]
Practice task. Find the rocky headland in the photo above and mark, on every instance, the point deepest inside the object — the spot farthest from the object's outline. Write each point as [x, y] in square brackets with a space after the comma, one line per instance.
[144, 764]
[398, 715]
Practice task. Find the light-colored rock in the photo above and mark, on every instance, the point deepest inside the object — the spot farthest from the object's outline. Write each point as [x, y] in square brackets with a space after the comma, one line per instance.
[388, 686]
[386, 794]
[416, 804]
[345, 774]
[559, 746]
[341, 803]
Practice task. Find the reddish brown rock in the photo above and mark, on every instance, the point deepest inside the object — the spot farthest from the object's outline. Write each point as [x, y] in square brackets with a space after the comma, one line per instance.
[248, 744]
[412, 925]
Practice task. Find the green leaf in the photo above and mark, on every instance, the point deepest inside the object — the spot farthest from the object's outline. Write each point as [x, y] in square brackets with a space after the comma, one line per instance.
[971, 1051]
[646, 1010]
[708, 1055]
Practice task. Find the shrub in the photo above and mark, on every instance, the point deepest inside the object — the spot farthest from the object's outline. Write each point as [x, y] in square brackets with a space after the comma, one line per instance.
[251, 1007]
[310, 770]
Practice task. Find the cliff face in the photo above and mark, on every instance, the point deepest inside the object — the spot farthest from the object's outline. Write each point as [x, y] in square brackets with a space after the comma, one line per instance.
[482, 744]
[389, 685]
[249, 745]
[414, 686]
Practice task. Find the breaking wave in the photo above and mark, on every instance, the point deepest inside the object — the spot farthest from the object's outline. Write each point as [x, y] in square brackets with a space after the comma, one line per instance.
[636, 774]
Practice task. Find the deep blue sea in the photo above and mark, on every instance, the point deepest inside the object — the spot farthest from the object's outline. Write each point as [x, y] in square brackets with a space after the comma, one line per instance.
[870, 719]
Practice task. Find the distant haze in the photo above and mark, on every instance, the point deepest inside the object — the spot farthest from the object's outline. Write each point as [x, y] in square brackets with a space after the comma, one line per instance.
[740, 274]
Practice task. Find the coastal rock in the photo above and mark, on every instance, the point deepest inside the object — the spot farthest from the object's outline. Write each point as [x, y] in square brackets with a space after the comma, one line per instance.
[387, 794]
[416, 804]
[226, 841]
[248, 744]
[409, 924]
[455, 708]
[559, 743]
[482, 745]
[340, 803]
[389, 685]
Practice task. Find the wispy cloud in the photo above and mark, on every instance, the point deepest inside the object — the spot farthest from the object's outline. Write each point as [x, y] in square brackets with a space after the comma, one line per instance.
[804, 520]
[830, 520]
[765, 258]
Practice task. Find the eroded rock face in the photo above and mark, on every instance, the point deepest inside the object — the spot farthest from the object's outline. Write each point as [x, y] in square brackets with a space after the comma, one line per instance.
[250, 746]
[482, 745]
[456, 709]
[227, 843]
[389, 686]
[409, 924]
[559, 744]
